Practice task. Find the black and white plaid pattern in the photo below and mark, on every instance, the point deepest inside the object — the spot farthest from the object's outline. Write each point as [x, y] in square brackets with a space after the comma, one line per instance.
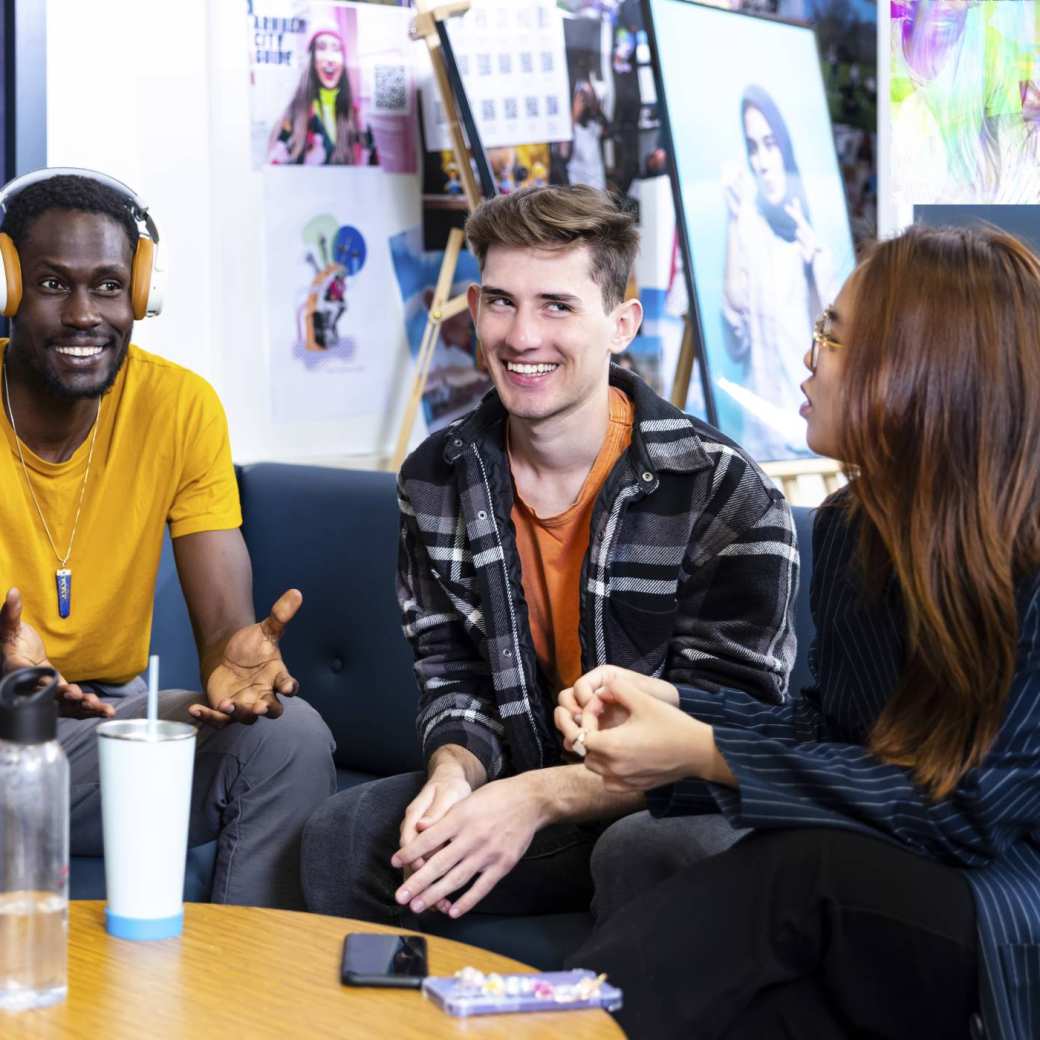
[691, 574]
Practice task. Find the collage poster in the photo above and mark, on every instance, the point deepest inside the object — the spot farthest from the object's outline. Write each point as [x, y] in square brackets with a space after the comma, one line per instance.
[332, 84]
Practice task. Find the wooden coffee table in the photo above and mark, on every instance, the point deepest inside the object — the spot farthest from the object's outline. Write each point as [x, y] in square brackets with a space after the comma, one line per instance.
[243, 972]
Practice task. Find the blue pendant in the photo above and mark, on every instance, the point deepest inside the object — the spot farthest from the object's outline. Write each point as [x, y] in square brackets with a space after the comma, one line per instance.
[63, 579]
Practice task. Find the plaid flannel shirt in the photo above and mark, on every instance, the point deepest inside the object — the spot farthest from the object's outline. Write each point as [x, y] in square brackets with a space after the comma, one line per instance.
[690, 575]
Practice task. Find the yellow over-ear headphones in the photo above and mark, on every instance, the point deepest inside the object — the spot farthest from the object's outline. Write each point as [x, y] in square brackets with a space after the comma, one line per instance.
[147, 279]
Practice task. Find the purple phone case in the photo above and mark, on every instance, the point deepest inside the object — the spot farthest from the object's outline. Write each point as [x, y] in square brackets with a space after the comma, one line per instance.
[455, 998]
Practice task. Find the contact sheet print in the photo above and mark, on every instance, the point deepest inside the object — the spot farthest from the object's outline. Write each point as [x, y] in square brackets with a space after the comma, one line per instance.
[512, 59]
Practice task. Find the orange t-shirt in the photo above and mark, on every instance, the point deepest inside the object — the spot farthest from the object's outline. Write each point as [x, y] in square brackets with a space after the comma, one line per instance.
[552, 550]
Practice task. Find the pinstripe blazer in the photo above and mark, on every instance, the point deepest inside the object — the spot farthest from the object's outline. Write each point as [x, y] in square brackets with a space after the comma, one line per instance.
[690, 573]
[805, 764]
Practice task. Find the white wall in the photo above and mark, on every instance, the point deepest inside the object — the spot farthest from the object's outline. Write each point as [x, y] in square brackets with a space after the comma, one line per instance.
[156, 93]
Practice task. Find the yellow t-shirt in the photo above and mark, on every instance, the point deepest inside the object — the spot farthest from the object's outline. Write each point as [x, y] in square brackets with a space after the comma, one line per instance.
[162, 455]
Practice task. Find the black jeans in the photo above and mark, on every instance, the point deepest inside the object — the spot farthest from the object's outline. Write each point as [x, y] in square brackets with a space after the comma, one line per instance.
[796, 934]
[348, 842]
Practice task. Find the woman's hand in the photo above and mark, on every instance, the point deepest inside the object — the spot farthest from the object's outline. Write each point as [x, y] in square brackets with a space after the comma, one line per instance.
[586, 708]
[648, 742]
[278, 153]
[734, 188]
[808, 243]
[315, 154]
[583, 700]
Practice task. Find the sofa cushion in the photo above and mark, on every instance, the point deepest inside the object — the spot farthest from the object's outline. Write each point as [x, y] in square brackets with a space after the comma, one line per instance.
[87, 875]
[171, 636]
[332, 533]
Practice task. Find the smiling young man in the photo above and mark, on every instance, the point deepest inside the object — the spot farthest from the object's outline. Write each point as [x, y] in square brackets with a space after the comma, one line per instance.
[574, 519]
[104, 445]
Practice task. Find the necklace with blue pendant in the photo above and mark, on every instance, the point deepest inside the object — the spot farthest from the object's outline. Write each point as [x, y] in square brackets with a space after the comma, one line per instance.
[63, 579]
[63, 575]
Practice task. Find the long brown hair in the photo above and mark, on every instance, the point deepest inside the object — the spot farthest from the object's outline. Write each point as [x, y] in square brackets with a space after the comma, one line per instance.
[297, 116]
[941, 392]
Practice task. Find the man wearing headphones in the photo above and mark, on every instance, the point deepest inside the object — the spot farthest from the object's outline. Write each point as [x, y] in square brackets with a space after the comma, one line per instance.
[102, 445]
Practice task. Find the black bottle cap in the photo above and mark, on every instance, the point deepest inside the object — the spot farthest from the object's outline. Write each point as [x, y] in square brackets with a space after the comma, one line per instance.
[28, 707]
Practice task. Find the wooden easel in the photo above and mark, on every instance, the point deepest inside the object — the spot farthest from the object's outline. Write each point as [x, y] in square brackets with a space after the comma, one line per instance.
[806, 482]
[684, 365]
[443, 306]
[687, 347]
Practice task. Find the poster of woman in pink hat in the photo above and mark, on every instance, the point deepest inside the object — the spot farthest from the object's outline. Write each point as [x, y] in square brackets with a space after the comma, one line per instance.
[332, 85]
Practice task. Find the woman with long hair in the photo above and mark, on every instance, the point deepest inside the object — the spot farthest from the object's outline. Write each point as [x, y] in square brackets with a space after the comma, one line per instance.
[891, 884]
[778, 273]
[320, 124]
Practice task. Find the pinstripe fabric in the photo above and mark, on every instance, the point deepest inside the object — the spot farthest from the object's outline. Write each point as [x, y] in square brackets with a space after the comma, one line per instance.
[690, 573]
[804, 763]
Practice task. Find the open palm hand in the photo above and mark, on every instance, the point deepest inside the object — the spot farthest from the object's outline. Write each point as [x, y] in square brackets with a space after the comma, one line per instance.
[250, 676]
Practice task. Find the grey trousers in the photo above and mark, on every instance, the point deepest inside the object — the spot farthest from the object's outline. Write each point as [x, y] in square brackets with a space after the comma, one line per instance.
[348, 842]
[253, 788]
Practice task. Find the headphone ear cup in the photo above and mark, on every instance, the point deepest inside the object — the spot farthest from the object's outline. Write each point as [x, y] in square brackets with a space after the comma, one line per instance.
[141, 276]
[10, 277]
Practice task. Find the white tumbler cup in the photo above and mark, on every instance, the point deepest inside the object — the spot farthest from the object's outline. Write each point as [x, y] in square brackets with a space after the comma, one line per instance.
[146, 769]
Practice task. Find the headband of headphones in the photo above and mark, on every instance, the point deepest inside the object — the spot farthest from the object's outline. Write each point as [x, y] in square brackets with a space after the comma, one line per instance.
[147, 281]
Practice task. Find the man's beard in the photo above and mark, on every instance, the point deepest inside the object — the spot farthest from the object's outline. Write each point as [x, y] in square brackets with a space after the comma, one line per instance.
[57, 389]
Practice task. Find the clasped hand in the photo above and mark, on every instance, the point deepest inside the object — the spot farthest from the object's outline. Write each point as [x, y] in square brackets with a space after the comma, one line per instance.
[249, 674]
[452, 836]
[634, 734]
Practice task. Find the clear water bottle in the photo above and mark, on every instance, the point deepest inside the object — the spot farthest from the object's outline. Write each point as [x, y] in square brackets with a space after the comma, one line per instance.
[34, 843]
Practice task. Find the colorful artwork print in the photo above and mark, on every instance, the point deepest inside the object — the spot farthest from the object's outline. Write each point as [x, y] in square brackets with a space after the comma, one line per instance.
[326, 299]
[964, 104]
[335, 338]
[332, 85]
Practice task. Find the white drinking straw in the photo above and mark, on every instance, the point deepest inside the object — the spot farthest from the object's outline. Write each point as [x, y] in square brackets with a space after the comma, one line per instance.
[153, 692]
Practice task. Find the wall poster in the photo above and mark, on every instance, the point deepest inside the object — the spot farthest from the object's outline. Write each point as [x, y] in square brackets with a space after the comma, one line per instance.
[333, 318]
[333, 113]
[510, 55]
[763, 213]
[332, 84]
[962, 120]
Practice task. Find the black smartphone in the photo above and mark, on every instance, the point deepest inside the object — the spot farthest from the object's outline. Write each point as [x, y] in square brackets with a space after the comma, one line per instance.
[370, 959]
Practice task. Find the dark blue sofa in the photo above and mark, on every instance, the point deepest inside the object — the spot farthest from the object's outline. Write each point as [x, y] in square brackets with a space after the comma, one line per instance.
[332, 533]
